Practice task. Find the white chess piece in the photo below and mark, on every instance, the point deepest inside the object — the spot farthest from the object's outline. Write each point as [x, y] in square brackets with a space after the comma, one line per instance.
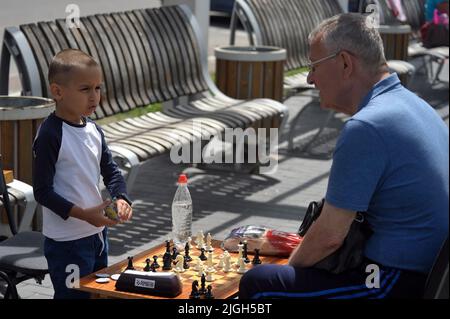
[189, 240]
[199, 264]
[242, 268]
[240, 249]
[179, 266]
[209, 276]
[200, 240]
[210, 264]
[200, 270]
[226, 263]
[208, 242]
[220, 265]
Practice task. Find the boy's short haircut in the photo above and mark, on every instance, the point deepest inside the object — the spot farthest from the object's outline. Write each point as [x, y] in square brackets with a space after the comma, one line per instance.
[65, 62]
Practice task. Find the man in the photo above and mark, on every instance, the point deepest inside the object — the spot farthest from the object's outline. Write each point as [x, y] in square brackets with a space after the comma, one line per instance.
[391, 162]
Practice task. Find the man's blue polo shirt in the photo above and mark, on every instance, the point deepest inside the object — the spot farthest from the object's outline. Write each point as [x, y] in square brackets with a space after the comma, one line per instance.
[392, 161]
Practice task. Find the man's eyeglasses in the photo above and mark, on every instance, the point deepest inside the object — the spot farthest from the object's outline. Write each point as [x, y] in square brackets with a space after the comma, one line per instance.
[311, 65]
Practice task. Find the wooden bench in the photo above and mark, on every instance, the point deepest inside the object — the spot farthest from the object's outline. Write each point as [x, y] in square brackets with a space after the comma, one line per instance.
[285, 24]
[147, 56]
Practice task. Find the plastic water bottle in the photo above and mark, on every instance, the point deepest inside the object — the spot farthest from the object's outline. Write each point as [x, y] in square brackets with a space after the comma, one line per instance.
[181, 213]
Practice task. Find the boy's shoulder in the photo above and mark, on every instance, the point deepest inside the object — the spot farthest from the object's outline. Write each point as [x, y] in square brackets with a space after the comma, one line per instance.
[51, 126]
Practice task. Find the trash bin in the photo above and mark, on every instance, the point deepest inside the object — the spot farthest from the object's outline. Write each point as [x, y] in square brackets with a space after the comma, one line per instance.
[250, 72]
[395, 41]
[20, 118]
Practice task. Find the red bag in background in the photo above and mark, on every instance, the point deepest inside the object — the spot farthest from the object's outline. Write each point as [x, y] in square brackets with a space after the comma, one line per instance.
[270, 242]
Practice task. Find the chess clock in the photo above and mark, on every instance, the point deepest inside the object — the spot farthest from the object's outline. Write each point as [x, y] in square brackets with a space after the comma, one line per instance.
[150, 283]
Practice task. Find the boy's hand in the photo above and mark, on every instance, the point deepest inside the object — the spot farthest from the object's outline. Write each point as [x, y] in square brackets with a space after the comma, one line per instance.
[124, 210]
[94, 215]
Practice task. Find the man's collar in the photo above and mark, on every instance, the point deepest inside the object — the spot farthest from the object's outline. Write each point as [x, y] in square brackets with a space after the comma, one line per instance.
[382, 86]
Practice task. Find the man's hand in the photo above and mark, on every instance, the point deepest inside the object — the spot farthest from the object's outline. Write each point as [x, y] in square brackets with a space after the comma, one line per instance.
[93, 215]
[124, 210]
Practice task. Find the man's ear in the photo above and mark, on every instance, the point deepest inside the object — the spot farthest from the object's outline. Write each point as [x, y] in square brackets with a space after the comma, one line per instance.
[56, 91]
[347, 64]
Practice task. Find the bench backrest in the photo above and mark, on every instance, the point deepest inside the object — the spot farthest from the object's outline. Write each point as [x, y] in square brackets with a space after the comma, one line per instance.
[146, 55]
[287, 24]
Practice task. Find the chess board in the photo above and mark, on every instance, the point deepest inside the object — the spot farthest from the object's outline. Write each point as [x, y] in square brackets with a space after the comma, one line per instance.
[224, 285]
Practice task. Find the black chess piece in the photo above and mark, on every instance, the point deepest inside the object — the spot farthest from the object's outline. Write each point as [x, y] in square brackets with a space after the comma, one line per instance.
[130, 263]
[153, 268]
[175, 253]
[245, 252]
[185, 264]
[203, 285]
[155, 262]
[194, 293]
[187, 257]
[208, 294]
[202, 255]
[147, 267]
[256, 260]
[167, 261]
[167, 246]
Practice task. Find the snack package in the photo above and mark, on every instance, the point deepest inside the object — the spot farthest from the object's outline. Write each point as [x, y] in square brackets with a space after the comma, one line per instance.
[270, 242]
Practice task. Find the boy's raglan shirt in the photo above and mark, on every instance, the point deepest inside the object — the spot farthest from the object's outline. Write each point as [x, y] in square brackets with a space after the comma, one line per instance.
[67, 164]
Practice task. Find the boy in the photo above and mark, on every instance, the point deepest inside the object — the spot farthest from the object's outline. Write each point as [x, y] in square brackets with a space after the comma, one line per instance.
[70, 154]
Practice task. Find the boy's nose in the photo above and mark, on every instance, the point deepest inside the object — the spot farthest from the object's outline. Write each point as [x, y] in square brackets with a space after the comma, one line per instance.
[310, 79]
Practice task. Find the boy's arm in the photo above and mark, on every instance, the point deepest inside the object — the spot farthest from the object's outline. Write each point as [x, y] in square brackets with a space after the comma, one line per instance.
[112, 177]
[45, 155]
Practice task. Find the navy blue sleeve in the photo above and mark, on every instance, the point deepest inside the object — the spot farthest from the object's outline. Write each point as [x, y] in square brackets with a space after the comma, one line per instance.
[45, 155]
[112, 177]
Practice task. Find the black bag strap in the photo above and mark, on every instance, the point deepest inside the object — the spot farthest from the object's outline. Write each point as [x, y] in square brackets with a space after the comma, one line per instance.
[312, 213]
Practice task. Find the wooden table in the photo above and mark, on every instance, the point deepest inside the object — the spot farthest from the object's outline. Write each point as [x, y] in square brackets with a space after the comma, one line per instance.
[224, 286]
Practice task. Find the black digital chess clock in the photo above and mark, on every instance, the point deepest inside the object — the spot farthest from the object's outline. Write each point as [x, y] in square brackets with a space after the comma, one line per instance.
[164, 284]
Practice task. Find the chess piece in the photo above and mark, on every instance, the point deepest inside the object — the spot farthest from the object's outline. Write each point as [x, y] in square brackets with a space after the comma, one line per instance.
[202, 289]
[199, 264]
[130, 263]
[187, 257]
[220, 265]
[147, 267]
[185, 264]
[152, 268]
[208, 242]
[179, 264]
[200, 240]
[155, 262]
[209, 276]
[167, 261]
[175, 253]
[210, 265]
[200, 269]
[202, 255]
[242, 268]
[240, 249]
[194, 292]
[256, 260]
[208, 294]
[189, 243]
[227, 263]
[167, 246]
[245, 252]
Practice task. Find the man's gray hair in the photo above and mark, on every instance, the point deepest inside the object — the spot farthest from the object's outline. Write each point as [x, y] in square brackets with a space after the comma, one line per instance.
[352, 32]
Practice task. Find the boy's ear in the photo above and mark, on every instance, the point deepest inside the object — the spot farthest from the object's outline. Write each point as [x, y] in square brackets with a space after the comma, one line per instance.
[56, 91]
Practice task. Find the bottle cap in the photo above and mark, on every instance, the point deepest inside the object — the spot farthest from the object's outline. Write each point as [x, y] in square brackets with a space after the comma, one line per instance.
[182, 179]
